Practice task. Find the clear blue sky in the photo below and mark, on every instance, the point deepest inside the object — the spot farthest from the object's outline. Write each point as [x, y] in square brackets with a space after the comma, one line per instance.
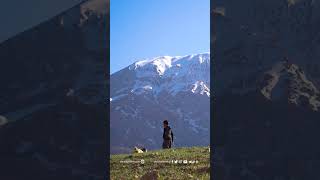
[149, 28]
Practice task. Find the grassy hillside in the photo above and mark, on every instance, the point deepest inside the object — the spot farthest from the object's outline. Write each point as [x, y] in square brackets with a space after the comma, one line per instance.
[121, 168]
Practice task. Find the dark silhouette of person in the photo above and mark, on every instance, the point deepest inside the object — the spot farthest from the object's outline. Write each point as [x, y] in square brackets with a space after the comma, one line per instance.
[167, 135]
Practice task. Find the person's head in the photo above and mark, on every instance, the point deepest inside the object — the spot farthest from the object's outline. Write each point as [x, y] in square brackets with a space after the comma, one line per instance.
[165, 123]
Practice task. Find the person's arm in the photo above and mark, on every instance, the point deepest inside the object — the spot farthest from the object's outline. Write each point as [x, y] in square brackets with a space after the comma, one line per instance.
[164, 135]
[172, 135]
[168, 134]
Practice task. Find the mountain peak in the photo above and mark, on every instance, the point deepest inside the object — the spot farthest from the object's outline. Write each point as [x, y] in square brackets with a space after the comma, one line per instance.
[162, 63]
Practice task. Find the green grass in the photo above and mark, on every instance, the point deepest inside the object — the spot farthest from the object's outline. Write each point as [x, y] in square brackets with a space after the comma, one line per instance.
[201, 170]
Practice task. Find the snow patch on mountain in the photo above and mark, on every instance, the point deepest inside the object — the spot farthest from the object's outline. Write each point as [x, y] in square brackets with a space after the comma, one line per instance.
[118, 97]
[201, 88]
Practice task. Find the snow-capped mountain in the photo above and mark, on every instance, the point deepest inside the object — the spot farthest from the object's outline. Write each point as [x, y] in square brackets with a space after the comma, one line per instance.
[168, 74]
[149, 91]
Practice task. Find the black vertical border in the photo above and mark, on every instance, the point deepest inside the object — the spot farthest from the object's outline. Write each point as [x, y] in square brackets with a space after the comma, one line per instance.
[211, 90]
[107, 65]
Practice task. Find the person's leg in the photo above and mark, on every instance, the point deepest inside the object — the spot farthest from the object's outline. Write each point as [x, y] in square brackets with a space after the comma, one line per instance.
[166, 144]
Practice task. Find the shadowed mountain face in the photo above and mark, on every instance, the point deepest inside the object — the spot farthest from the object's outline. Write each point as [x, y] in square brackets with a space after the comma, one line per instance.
[53, 97]
[266, 84]
[18, 16]
[150, 91]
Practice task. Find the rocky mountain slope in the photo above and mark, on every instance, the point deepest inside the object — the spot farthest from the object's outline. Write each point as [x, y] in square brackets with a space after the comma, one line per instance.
[149, 91]
[53, 97]
[266, 83]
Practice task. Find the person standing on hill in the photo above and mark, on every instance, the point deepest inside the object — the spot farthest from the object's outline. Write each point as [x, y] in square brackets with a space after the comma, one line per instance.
[167, 135]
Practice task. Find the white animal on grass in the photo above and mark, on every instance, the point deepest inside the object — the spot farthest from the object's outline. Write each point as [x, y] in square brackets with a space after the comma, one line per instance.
[137, 150]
